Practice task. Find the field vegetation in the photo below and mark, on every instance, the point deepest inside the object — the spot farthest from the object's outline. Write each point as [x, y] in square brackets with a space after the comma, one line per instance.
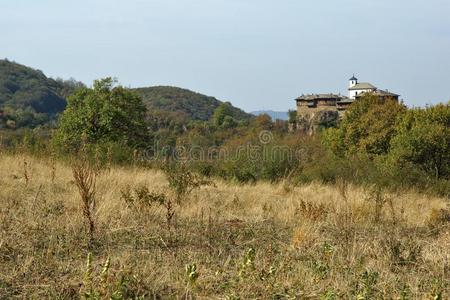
[73, 230]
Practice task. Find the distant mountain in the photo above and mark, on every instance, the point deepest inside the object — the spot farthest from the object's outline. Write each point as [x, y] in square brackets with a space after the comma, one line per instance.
[185, 103]
[275, 115]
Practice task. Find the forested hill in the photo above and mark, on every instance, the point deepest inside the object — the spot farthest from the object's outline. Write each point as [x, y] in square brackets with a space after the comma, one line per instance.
[186, 103]
[28, 98]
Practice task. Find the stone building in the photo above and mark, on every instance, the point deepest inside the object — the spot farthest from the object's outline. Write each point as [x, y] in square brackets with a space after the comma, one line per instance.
[324, 110]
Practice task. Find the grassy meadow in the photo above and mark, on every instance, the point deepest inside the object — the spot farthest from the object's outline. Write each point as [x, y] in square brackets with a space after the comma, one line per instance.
[224, 240]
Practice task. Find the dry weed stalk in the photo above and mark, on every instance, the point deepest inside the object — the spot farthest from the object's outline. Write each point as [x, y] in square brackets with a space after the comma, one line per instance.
[377, 195]
[53, 168]
[25, 172]
[85, 176]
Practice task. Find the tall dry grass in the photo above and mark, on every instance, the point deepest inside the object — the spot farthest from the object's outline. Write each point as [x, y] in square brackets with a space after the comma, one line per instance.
[309, 242]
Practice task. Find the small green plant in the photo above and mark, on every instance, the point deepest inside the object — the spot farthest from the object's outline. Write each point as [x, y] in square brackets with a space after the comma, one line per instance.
[248, 264]
[109, 285]
[328, 295]
[405, 293]
[191, 274]
[320, 269]
[366, 287]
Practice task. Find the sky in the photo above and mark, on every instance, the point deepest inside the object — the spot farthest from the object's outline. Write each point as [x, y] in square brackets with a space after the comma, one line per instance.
[257, 54]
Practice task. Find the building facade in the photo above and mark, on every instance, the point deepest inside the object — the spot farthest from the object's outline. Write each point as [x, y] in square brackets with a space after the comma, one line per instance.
[316, 110]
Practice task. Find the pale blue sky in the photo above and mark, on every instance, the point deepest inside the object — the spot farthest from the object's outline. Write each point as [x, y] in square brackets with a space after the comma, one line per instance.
[258, 54]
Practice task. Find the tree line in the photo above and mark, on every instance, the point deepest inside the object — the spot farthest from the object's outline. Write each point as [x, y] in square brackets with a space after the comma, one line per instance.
[376, 142]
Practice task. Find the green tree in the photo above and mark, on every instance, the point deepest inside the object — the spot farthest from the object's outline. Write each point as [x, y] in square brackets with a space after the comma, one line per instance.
[223, 111]
[424, 140]
[367, 127]
[103, 114]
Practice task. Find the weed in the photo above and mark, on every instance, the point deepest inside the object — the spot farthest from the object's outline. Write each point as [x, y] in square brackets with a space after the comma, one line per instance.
[182, 181]
[403, 252]
[85, 176]
[366, 286]
[377, 196]
[191, 274]
[103, 285]
[248, 264]
[26, 174]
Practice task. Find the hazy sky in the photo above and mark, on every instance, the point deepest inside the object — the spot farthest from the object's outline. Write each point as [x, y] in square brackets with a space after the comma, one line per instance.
[257, 54]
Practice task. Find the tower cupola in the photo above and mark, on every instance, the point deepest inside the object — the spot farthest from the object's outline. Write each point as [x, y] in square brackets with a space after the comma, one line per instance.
[353, 81]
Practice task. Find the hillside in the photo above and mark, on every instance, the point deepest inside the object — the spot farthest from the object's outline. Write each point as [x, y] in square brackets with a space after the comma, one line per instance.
[28, 98]
[190, 104]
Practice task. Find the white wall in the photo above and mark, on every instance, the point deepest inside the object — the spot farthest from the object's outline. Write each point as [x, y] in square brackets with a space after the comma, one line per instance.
[352, 93]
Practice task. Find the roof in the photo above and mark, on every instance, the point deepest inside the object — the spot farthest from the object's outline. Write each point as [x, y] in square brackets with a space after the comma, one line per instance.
[345, 100]
[318, 97]
[380, 93]
[362, 86]
[353, 78]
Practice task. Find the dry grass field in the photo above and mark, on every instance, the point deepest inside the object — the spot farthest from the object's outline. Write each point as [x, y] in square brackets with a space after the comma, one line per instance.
[225, 241]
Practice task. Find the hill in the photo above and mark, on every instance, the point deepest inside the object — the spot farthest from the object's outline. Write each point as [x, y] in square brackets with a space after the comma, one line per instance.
[275, 115]
[189, 104]
[28, 98]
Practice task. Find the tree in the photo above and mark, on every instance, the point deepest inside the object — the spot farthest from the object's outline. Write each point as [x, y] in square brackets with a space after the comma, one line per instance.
[424, 140]
[367, 127]
[103, 114]
[221, 112]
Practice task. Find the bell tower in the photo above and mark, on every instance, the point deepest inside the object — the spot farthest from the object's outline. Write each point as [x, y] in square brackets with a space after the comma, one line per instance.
[353, 81]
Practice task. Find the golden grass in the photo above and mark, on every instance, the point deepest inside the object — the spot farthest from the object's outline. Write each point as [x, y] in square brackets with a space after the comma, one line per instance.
[320, 244]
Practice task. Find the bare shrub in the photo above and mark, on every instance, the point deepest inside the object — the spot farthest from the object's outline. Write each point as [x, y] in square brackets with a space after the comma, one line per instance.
[142, 198]
[182, 181]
